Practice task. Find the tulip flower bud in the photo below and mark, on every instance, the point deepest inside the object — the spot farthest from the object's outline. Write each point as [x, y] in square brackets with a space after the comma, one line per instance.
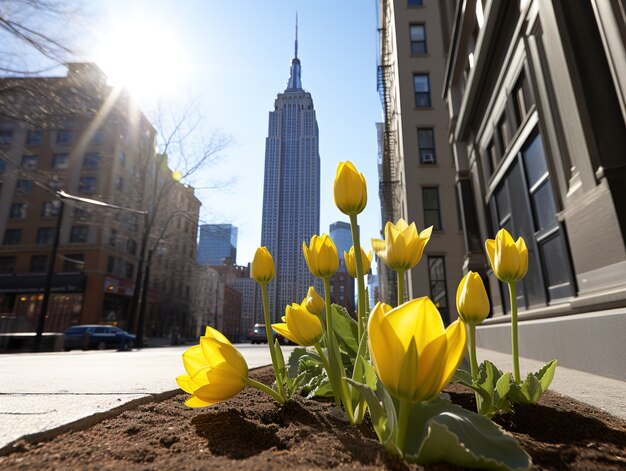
[350, 189]
[403, 246]
[321, 256]
[313, 302]
[262, 266]
[300, 326]
[471, 299]
[509, 259]
[366, 260]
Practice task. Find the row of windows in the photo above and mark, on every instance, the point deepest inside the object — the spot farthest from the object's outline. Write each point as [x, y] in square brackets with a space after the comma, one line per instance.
[91, 160]
[39, 263]
[45, 235]
[36, 137]
[86, 185]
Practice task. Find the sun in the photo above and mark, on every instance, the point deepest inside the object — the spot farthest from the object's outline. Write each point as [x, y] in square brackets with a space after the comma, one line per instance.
[142, 56]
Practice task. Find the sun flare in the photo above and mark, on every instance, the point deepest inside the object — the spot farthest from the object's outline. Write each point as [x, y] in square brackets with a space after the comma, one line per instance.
[143, 56]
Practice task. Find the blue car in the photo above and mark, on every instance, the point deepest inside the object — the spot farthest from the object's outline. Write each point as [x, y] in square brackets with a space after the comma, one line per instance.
[87, 337]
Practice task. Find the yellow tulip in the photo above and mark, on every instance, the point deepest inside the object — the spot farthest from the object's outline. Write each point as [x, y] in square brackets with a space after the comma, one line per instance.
[216, 371]
[313, 302]
[403, 246]
[350, 189]
[321, 256]
[509, 259]
[366, 260]
[300, 326]
[414, 356]
[262, 266]
[471, 299]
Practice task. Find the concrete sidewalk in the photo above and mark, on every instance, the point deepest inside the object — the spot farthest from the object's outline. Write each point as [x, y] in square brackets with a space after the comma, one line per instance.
[44, 394]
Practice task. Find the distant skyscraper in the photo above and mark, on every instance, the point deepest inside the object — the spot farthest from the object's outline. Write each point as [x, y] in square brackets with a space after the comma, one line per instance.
[217, 243]
[342, 284]
[341, 234]
[291, 191]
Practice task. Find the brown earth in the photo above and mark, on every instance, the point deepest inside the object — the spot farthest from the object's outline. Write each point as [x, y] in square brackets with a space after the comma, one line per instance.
[249, 432]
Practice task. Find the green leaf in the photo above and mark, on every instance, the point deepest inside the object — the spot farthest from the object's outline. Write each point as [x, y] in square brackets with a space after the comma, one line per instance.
[293, 364]
[346, 329]
[444, 432]
[378, 414]
[462, 377]
[280, 359]
[503, 386]
[546, 374]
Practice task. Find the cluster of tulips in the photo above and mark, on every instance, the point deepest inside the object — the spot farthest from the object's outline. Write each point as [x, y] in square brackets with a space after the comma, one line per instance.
[400, 358]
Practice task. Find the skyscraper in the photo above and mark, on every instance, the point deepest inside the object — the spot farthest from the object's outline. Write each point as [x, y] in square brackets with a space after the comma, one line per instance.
[217, 243]
[291, 190]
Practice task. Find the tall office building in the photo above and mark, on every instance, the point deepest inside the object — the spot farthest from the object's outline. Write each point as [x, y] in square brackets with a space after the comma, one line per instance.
[291, 191]
[217, 243]
[342, 284]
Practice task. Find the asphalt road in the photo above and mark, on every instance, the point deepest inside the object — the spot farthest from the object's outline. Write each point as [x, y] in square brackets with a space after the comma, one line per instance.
[41, 392]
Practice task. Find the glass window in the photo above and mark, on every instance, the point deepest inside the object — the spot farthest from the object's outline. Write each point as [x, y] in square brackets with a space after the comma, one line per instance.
[129, 270]
[504, 133]
[113, 237]
[60, 161]
[29, 162]
[49, 209]
[87, 185]
[78, 234]
[415, 3]
[74, 262]
[122, 158]
[56, 183]
[418, 39]
[6, 137]
[438, 291]
[18, 211]
[97, 138]
[430, 200]
[34, 138]
[421, 84]
[132, 247]
[119, 183]
[426, 144]
[81, 213]
[3, 165]
[24, 186]
[65, 136]
[92, 160]
[38, 263]
[12, 236]
[110, 264]
[45, 235]
[7, 264]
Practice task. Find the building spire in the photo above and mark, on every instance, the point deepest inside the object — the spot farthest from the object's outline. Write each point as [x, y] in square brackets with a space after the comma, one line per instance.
[295, 82]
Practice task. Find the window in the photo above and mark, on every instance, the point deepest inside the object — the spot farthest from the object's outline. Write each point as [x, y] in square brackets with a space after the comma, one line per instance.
[129, 270]
[12, 236]
[132, 247]
[24, 186]
[29, 162]
[421, 83]
[438, 292]
[119, 183]
[97, 138]
[18, 211]
[504, 133]
[7, 264]
[110, 264]
[49, 209]
[34, 138]
[113, 237]
[74, 262]
[45, 235]
[6, 137]
[60, 161]
[78, 234]
[418, 39]
[92, 160]
[3, 165]
[426, 144]
[87, 185]
[415, 3]
[122, 159]
[65, 136]
[56, 183]
[81, 213]
[432, 214]
[38, 263]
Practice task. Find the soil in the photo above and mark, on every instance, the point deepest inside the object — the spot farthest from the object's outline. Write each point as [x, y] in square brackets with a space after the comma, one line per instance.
[249, 432]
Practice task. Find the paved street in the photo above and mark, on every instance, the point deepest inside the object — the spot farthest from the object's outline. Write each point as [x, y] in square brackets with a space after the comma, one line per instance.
[43, 391]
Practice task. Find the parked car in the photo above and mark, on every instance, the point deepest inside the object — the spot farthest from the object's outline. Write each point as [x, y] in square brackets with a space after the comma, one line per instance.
[96, 336]
[258, 335]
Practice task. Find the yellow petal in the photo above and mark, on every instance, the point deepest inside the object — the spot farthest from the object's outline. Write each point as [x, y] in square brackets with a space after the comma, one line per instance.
[194, 359]
[380, 247]
[195, 402]
[283, 330]
[523, 255]
[490, 247]
[187, 384]
[215, 392]
[456, 335]
[432, 364]
[215, 334]
[408, 373]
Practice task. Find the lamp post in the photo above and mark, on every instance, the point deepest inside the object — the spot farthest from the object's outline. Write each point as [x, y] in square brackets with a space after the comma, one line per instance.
[62, 197]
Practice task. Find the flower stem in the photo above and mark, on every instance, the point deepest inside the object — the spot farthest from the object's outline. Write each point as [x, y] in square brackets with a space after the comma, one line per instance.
[514, 342]
[360, 276]
[400, 287]
[268, 333]
[473, 362]
[330, 342]
[266, 389]
[403, 422]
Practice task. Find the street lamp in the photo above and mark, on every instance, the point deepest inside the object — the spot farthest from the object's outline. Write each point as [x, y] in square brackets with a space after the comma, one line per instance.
[62, 196]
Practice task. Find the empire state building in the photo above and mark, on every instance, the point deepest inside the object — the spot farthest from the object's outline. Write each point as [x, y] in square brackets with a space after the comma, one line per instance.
[291, 191]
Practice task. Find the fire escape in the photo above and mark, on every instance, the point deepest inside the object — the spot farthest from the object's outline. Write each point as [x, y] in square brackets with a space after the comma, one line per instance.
[389, 183]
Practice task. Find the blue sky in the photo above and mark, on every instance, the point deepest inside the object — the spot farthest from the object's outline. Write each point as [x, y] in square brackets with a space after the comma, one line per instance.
[236, 57]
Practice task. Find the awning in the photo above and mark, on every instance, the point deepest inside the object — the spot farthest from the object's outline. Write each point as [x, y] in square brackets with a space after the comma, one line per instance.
[37, 283]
